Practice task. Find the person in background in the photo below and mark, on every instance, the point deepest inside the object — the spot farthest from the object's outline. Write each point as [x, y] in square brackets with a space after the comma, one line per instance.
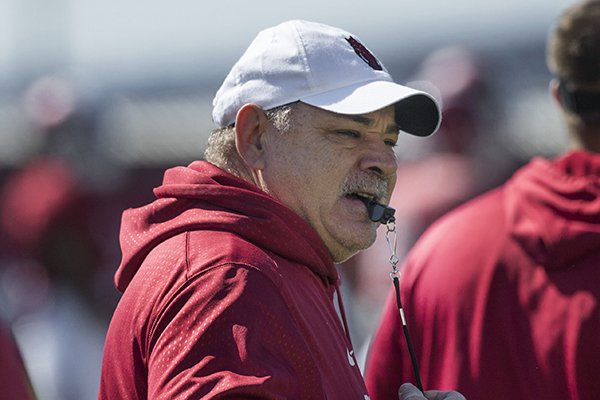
[14, 379]
[502, 294]
[49, 272]
[228, 278]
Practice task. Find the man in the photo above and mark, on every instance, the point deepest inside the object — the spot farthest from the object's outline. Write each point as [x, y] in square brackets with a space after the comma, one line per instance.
[503, 294]
[228, 278]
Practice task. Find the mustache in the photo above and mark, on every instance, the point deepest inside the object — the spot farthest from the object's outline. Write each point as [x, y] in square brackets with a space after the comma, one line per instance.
[365, 183]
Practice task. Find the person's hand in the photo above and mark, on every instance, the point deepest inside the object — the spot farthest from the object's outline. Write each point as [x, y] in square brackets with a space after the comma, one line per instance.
[409, 391]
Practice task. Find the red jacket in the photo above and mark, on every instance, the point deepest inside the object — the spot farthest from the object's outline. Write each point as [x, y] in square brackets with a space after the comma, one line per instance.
[226, 294]
[14, 380]
[502, 295]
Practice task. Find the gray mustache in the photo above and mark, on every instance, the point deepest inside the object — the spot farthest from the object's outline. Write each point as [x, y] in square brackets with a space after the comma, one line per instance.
[365, 183]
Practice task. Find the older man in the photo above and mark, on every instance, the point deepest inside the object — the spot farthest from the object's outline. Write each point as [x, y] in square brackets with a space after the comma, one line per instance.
[228, 278]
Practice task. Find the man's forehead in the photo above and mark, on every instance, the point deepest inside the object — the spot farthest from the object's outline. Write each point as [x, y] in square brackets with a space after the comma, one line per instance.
[367, 120]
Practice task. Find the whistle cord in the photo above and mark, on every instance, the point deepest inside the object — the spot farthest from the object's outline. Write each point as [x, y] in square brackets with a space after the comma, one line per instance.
[411, 351]
[392, 238]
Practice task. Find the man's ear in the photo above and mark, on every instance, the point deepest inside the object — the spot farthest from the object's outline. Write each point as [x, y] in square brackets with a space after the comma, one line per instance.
[250, 127]
[554, 90]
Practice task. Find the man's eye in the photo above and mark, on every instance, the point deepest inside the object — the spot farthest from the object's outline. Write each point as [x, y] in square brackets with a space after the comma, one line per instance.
[350, 134]
[390, 142]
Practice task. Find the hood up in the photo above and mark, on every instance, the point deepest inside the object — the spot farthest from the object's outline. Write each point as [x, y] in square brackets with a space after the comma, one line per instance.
[204, 197]
[554, 208]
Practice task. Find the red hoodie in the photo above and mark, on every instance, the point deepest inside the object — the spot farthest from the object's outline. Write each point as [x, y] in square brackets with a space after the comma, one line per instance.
[502, 295]
[226, 294]
[14, 379]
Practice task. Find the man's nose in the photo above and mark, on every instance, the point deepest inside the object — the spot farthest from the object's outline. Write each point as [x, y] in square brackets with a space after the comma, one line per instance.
[379, 159]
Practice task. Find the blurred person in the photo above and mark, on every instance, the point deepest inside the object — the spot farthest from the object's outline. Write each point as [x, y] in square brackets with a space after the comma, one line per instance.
[502, 295]
[14, 379]
[48, 276]
[228, 278]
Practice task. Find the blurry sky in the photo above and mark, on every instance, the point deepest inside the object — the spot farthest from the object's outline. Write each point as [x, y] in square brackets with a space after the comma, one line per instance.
[98, 39]
[110, 50]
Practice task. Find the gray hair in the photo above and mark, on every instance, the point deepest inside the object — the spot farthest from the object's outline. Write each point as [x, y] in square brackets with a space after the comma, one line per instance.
[221, 150]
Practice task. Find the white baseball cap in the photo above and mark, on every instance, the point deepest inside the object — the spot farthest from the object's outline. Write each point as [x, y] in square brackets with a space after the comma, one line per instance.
[322, 66]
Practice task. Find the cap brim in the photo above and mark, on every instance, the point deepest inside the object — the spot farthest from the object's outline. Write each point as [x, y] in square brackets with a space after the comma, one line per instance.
[417, 112]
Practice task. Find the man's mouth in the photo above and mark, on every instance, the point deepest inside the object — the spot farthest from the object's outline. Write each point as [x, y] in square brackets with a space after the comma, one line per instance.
[377, 212]
[371, 192]
[364, 197]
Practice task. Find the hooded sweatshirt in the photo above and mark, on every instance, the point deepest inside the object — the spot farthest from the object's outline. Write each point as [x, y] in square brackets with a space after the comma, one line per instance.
[227, 293]
[14, 379]
[501, 296]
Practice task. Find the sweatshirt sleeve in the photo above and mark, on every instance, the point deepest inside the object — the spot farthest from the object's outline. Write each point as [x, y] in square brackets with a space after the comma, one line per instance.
[228, 334]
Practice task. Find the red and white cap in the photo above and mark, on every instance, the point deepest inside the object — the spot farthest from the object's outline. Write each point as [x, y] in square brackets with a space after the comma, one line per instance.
[322, 66]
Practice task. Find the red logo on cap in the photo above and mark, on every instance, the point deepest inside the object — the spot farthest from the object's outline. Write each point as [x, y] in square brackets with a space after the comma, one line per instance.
[365, 54]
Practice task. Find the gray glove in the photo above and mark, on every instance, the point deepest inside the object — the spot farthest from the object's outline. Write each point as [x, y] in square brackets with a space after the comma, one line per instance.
[410, 392]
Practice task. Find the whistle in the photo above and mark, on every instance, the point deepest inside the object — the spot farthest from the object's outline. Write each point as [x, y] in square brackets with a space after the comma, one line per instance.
[378, 212]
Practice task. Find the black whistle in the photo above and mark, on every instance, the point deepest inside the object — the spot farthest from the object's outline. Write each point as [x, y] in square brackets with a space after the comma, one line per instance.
[378, 212]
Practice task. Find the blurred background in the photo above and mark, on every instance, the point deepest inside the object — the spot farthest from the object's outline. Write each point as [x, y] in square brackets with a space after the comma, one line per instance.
[97, 98]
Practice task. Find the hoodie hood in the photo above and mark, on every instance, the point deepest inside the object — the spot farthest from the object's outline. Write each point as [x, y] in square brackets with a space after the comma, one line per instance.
[204, 197]
[554, 208]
